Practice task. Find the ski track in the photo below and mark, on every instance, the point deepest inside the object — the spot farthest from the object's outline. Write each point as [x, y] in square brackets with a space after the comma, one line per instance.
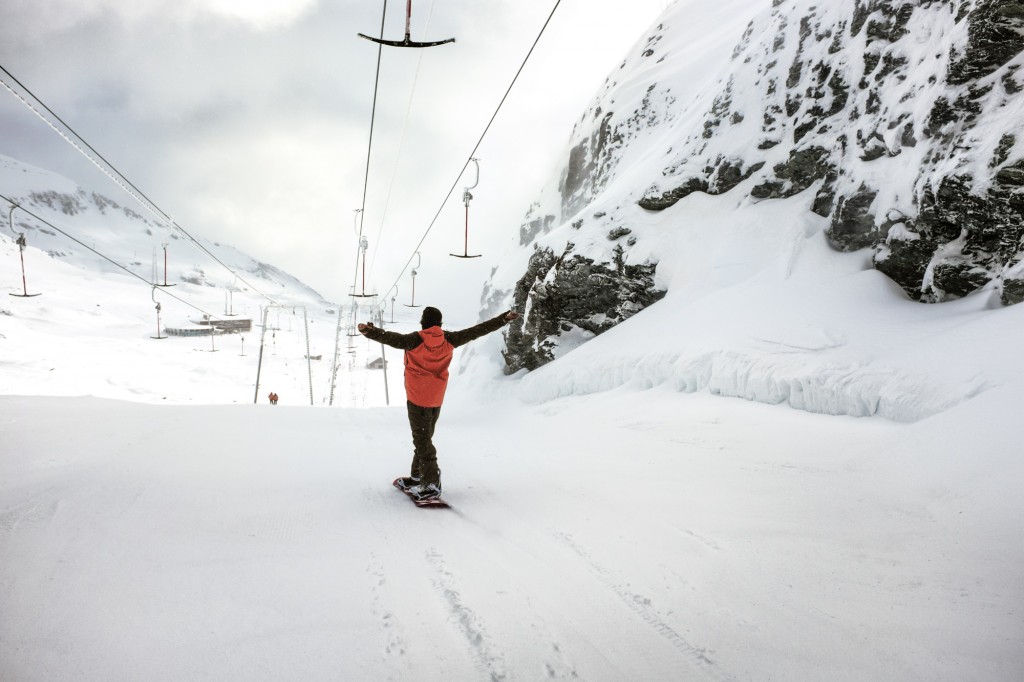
[643, 607]
[489, 664]
[40, 510]
[394, 641]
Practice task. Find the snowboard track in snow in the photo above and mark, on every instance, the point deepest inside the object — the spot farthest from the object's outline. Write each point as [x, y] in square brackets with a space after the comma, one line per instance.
[643, 608]
[489, 664]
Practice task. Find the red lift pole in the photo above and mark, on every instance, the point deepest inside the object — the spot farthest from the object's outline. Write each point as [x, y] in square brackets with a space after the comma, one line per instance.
[22, 243]
[466, 198]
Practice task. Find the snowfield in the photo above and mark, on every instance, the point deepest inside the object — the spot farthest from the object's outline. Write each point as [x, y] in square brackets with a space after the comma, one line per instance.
[640, 535]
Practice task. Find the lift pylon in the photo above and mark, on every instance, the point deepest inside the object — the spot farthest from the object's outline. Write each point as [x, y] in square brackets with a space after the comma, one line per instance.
[407, 42]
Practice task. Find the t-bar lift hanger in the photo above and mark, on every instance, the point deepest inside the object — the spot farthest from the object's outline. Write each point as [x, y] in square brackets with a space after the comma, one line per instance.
[466, 198]
[408, 42]
[412, 300]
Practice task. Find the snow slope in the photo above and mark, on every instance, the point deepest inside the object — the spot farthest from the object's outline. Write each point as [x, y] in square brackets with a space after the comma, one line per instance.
[632, 535]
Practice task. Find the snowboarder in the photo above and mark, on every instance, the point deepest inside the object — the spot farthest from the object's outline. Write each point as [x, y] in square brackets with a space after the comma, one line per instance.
[427, 355]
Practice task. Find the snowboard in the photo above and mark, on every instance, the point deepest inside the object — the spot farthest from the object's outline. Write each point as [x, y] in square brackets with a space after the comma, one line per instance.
[433, 502]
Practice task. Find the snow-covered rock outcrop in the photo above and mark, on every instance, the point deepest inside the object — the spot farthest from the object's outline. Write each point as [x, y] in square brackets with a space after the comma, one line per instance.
[899, 119]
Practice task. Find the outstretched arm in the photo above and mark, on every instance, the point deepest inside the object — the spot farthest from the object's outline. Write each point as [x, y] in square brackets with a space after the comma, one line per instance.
[393, 339]
[464, 336]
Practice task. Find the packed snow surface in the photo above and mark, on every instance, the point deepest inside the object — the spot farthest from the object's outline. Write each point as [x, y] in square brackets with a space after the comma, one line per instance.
[641, 535]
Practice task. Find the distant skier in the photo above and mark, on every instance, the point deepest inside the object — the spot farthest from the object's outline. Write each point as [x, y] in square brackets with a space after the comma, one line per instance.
[427, 355]
[273, 398]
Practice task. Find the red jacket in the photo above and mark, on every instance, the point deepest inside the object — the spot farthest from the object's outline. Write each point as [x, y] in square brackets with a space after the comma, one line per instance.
[426, 368]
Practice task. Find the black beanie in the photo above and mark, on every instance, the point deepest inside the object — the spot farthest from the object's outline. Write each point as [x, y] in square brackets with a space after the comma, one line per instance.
[431, 318]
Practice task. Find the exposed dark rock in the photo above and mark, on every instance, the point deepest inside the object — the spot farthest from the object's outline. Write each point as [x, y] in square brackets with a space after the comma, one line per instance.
[659, 202]
[1002, 152]
[873, 148]
[719, 110]
[890, 64]
[825, 199]
[795, 71]
[942, 113]
[803, 168]
[769, 189]
[618, 233]
[860, 17]
[990, 230]
[1013, 291]
[793, 104]
[729, 173]
[994, 38]
[68, 204]
[1011, 175]
[871, 60]
[905, 262]
[853, 224]
[1010, 82]
[521, 348]
[908, 139]
[956, 279]
[582, 173]
[532, 229]
[874, 103]
[803, 129]
[569, 292]
[891, 21]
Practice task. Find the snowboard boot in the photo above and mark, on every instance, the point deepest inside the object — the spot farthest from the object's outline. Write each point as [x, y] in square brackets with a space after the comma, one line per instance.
[428, 491]
[405, 483]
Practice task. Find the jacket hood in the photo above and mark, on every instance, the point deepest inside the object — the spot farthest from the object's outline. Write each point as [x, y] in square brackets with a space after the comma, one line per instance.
[432, 337]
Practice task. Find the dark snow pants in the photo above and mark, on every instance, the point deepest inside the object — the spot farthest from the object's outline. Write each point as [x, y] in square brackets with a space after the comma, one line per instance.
[424, 461]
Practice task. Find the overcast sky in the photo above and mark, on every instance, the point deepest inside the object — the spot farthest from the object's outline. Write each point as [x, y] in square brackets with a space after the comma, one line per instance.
[249, 120]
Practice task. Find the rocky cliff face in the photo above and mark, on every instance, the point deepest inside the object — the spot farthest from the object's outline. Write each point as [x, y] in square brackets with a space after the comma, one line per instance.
[901, 119]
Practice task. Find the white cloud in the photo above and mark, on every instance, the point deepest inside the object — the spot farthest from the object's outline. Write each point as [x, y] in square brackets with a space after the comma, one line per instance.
[258, 14]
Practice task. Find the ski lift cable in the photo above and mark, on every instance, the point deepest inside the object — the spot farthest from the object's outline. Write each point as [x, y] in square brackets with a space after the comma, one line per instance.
[106, 167]
[401, 145]
[373, 119]
[369, 149]
[479, 142]
[103, 256]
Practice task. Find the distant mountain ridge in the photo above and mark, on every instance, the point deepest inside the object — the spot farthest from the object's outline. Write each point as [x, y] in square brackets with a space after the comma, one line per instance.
[133, 240]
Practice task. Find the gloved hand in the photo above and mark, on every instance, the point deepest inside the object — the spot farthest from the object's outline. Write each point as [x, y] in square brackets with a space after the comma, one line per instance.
[511, 315]
[365, 329]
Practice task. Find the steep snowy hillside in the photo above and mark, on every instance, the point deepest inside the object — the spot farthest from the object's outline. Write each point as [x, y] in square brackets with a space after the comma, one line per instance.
[751, 172]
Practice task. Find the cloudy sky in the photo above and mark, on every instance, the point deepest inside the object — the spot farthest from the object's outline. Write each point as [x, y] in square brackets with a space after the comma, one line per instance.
[248, 120]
